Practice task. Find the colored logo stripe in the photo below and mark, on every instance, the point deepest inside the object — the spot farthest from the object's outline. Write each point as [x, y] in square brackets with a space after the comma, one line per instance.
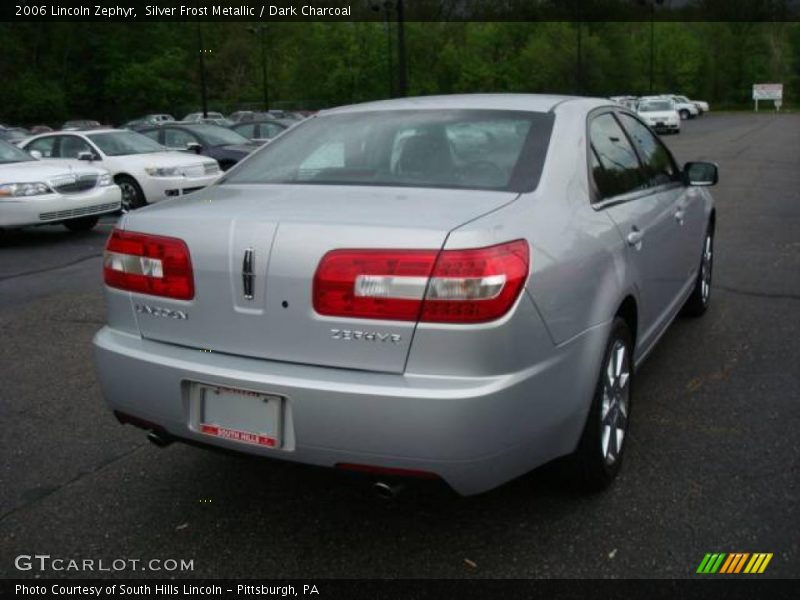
[734, 563]
[711, 563]
[758, 563]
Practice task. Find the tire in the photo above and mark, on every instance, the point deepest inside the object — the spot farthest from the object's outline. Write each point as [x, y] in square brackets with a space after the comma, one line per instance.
[82, 224]
[698, 301]
[684, 114]
[132, 195]
[598, 457]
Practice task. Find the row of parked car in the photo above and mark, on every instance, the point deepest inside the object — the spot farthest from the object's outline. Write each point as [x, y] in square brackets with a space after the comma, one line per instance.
[664, 112]
[85, 170]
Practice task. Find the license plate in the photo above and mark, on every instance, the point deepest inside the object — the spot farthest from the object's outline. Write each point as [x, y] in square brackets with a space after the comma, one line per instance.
[241, 416]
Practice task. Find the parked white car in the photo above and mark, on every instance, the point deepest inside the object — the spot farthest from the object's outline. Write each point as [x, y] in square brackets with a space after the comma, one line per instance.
[145, 171]
[685, 107]
[661, 114]
[702, 106]
[38, 192]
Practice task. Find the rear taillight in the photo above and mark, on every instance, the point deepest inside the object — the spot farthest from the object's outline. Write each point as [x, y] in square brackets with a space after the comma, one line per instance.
[448, 286]
[148, 264]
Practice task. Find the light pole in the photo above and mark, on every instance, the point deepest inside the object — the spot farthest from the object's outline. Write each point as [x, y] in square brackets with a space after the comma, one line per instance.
[202, 51]
[261, 30]
[387, 7]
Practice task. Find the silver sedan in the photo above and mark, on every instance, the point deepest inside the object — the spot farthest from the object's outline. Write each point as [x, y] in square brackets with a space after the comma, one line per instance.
[457, 287]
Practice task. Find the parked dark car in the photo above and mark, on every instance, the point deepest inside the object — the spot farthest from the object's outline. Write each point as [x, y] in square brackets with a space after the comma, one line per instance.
[260, 131]
[37, 129]
[148, 121]
[220, 143]
[81, 125]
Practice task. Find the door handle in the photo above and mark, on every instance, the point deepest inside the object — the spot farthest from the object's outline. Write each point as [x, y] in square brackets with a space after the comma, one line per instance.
[635, 238]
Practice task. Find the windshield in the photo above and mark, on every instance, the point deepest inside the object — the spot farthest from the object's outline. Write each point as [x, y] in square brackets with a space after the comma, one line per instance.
[121, 143]
[476, 149]
[12, 154]
[216, 135]
[655, 106]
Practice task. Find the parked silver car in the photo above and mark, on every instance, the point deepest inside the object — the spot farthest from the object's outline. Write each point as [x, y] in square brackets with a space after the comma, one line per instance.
[456, 286]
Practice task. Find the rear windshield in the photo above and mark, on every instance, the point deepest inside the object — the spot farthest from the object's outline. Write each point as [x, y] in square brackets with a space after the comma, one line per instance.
[473, 149]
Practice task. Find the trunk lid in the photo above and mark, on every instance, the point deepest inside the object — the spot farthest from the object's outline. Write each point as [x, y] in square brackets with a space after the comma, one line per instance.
[284, 231]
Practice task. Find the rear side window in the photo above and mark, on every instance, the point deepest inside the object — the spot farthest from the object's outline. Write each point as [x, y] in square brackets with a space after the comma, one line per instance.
[659, 166]
[615, 166]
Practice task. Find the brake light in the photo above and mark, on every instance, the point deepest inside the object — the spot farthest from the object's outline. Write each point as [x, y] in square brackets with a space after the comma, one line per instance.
[148, 264]
[448, 286]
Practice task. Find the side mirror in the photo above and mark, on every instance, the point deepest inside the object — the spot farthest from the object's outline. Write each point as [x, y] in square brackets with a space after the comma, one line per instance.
[35, 154]
[194, 147]
[701, 173]
[86, 156]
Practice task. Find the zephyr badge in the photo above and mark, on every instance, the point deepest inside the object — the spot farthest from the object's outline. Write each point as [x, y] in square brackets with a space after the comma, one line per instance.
[247, 273]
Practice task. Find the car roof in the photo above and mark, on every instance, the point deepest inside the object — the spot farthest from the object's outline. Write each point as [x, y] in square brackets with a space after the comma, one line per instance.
[521, 102]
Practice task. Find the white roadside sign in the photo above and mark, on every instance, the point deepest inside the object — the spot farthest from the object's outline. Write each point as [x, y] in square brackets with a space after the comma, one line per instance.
[767, 91]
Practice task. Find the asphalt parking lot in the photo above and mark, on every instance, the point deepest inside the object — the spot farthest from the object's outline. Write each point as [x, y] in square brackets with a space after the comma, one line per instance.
[713, 463]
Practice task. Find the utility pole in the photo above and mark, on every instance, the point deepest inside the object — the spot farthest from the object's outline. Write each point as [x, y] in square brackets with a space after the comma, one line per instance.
[261, 31]
[579, 53]
[402, 79]
[652, 4]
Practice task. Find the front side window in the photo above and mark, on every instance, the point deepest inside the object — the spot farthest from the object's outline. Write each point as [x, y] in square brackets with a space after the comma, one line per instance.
[615, 167]
[248, 130]
[72, 146]
[659, 166]
[453, 148]
[177, 138]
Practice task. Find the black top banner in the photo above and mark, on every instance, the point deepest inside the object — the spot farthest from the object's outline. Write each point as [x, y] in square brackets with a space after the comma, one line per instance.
[412, 10]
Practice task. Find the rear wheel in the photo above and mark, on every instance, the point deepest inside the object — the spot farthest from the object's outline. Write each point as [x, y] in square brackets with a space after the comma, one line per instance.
[82, 224]
[598, 458]
[684, 114]
[697, 303]
[132, 195]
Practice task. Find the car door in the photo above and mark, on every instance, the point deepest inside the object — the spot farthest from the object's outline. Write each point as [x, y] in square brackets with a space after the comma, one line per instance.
[643, 219]
[666, 180]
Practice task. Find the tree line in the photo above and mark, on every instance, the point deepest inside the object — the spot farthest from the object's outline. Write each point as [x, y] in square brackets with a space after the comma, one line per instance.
[113, 72]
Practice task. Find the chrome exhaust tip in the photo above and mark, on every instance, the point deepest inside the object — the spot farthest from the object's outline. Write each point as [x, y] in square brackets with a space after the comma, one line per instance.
[159, 439]
[387, 491]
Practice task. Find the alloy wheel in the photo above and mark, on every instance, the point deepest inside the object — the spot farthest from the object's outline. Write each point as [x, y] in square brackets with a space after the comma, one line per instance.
[616, 396]
[129, 195]
[705, 269]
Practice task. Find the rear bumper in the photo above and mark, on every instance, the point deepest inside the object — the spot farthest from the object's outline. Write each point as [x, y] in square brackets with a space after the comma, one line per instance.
[475, 433]
[55, 208]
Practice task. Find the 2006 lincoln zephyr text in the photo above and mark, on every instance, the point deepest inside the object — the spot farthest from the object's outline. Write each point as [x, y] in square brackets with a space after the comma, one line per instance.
[456, 286]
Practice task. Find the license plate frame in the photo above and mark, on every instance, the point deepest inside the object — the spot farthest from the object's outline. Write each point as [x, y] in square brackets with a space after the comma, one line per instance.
[238, 415]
